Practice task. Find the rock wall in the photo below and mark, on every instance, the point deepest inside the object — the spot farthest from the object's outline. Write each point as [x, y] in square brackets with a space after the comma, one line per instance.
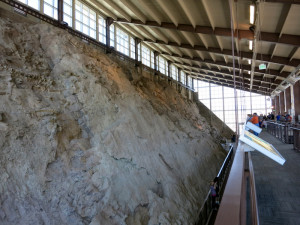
[86, 139]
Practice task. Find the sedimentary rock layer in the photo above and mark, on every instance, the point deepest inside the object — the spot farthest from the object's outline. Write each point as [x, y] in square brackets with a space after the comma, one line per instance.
[88, 139]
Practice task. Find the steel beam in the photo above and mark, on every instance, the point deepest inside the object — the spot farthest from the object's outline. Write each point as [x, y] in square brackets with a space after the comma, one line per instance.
[230, 65]
[247, 55]
[284, 1]
[239, 80]
[218, 31]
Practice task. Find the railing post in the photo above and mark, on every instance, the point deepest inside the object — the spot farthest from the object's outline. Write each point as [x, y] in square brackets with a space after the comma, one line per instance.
[296, 132]
[205, 211]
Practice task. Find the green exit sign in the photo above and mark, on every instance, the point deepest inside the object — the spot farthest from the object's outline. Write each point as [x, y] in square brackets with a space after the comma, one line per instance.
[262, 66]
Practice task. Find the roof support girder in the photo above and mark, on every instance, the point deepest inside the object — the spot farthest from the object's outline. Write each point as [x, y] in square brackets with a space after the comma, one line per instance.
[219, 31]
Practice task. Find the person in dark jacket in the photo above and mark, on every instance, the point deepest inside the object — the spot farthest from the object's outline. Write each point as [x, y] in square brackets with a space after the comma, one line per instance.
[213, 195]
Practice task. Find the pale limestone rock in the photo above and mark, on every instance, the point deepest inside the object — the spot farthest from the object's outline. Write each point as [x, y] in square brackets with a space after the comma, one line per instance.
[3, 126]
[89, 140]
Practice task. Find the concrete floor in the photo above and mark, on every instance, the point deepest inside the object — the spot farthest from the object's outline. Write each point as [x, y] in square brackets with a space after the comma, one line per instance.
[278, 187]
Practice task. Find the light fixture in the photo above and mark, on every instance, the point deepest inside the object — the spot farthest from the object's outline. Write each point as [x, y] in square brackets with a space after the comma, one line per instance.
[249, 61]
[252, 11]
[249, 72]
[250, 44]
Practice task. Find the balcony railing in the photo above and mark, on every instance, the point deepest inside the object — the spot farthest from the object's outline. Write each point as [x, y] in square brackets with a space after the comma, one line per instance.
[206, 210]
[286, 132]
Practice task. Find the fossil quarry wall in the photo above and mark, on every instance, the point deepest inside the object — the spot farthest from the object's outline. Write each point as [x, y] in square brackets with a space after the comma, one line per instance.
[88, 139]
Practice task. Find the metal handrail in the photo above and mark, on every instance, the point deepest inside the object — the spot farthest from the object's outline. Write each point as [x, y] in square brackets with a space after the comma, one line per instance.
[233, 208]
[254, 208]
[225, 161]
[286, 131]
[294, 128]
[206, 208]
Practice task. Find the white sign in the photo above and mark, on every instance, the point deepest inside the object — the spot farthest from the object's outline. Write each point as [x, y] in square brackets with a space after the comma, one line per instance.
[253, 127]
[262, 146]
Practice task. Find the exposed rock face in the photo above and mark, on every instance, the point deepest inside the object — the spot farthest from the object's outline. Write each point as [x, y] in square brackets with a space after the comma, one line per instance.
[86, 139]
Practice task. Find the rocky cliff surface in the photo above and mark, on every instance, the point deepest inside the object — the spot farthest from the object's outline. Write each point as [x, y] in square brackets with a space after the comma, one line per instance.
[86, 139]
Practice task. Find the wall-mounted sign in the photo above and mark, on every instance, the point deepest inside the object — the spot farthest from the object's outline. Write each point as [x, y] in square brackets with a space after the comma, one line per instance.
[262, 66]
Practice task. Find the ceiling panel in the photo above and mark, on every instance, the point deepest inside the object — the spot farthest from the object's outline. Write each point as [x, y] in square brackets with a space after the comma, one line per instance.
[219, 12]
[283, 50]
[297, 54]
[270, 14]
[292, 23]
[274, 66]
[263, 48]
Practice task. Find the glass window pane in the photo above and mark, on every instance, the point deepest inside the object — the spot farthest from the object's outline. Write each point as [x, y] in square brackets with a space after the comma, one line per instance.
[78, 15]
[203, 93]
[216, 92]
[93, 33]
[67, 9]
[68, 2]
[78, 26]
[85, 20]
[48, 10]
[217, 104]
[145, 55]
[78, 5]
[202, 84]
[34, 4]
[48, 1]
[229, 104]
[229, 116]
[68, 20]
[112, 35]
[93, 24]
[228, 92]
[85, 29]
[122, 40]
[244, 103]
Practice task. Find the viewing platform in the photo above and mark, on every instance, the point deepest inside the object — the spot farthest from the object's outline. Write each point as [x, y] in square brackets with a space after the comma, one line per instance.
[277, 187]
[260, 190]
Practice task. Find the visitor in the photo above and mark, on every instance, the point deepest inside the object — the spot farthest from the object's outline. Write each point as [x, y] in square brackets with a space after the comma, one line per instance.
[282, 118]
[264, 124]
[278, 117]
[272, 116]
[265, 117]
[217, 188]
[249, 116]
[261, 117]
[288, 118]
[213, 195]
[233, 138]
[255, 121]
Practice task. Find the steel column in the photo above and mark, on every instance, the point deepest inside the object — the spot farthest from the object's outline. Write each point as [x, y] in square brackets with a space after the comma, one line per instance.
[108, 22]
[60, 10]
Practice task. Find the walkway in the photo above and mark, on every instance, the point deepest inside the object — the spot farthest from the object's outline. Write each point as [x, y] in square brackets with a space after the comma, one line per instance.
[277, 187]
